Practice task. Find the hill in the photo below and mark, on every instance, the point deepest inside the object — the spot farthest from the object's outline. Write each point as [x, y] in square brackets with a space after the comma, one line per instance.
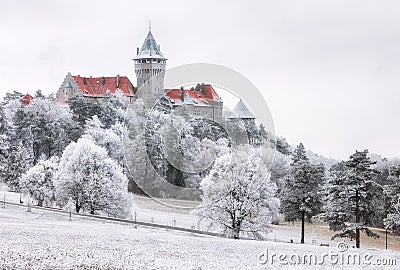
[41, 240]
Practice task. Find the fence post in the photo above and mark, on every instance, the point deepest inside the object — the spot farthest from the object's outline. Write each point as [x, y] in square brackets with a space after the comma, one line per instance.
[70, 208]
[29, 203]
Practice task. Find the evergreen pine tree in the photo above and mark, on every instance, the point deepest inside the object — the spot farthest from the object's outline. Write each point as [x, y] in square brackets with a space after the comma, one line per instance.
[18, 162]
[4, 141]
[392, 190]
[82, 109]
[353, 197]
[302, 190]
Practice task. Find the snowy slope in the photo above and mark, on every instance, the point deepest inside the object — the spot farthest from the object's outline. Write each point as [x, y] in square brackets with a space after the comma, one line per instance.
[159, 212]
[40, 240]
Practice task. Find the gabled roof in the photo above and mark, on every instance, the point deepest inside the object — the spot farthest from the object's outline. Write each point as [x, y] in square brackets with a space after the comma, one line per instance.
[241, 111]
[98, 86]
[201, 95]
[26, 100]
[150, 49]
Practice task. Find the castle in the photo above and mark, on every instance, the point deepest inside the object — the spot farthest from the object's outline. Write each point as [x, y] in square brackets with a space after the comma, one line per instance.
[150, 65]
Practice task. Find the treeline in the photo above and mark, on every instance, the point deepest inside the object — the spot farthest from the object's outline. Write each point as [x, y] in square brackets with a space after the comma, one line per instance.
[89, 154]
[350, 195]
[65, 155]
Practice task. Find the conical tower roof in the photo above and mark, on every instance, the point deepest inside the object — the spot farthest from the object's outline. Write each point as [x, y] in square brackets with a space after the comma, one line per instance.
[150, 49]
[241, 111]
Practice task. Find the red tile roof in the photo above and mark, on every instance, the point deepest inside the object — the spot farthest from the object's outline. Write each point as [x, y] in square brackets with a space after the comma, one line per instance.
[98, 86]
[210, 92]
[202, 97]
[26, 100]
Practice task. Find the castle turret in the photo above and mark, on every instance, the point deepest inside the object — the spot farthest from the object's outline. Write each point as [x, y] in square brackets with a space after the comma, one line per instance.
[149, 69]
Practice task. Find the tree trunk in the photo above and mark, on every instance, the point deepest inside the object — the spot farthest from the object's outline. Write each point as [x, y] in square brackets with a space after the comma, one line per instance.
[235, 228]
[77, 207]
[236, 231]
[302, 226]
[357, 221]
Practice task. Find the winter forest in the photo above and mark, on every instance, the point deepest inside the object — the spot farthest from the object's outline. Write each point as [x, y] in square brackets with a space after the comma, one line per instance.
[94, 156]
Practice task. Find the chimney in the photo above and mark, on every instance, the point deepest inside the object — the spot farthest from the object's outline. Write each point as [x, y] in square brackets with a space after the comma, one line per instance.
[137, 50]
[117, 80]
[103, 80]
[202, 89]
[84, 80]
[183, 93]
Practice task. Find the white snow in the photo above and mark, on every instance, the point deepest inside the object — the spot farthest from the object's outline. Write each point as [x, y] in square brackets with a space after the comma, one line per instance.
[39, 240]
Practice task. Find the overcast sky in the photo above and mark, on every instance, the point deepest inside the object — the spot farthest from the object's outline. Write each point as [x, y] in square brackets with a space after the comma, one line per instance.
[329, 70]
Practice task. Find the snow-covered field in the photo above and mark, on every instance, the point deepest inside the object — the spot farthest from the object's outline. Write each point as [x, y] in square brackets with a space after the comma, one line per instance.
[43, 240]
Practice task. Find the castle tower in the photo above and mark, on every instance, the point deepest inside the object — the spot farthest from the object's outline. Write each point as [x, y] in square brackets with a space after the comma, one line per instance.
[149, 64]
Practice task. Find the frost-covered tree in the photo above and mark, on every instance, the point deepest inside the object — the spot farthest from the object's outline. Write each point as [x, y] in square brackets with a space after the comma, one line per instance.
[353, 197]
[392, 190]
[167, 136]
[191, 150]
[83, 110]
[4, 141]
[13, 164]
[280, 169]
[158, 122]
[15, 95]
[38, 181]
[253, 134]
[112, 109]
[392, 220]
[10, 108]
[138, 165]
[105, 137]
[170, 154]
[92, 180]
[144, 150]
[282, 146]
[19, 160]
[45, 127]
[238, 196]
[302, 189]
[392, 187]
[191, 147]
[202, 128]
[39, 94]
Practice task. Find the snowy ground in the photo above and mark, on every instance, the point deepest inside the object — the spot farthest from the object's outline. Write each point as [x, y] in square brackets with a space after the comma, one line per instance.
[159, 212]
[43, 240]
